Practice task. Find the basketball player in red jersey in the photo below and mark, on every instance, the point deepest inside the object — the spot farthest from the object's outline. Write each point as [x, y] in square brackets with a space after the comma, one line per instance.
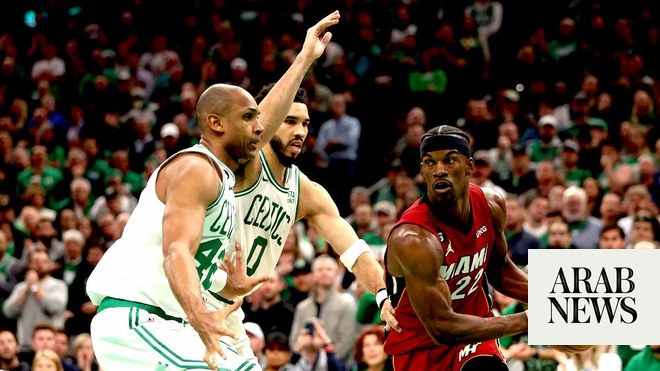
[440, 257]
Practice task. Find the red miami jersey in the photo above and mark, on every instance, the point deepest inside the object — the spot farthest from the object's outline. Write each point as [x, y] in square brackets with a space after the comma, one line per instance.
[464, 269]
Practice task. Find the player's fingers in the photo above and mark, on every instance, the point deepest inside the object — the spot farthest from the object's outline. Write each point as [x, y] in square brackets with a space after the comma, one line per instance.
[326, 38]
[212, 359]
[238, 257]
[260, 280]
[327, 21]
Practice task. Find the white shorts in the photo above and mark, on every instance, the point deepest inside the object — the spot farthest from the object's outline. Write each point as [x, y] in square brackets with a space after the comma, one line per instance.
[131, 338]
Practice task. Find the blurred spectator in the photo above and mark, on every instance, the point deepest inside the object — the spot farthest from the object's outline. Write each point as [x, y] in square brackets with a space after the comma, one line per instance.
[74, 241]
[598, 357]
[594, 195]
[170, 139]
[547, 146]
[535, 221]
[518, 239]
[359, 195]
[9, 353]
[364, 220]
[634, 199]
[558, 235]
[488, 17]
[569, 159]
[39, 172]
[645, 228]
[62, 346]
[384, 188]
[616, 174]
[612, 237]
[257, 341]
[46, 360]
[610, 209]
[144, 143]
[546, 177]
[522, 356]
[337, 144]
[369, 353]
[50, 67]
[386, 213]
[584, 228]
[80, 309]
[315, 349]
[84, 353]
[483, 169]
[330, 306]
[7, 260]
[647, 360]
[278, 353]
[302, 282]
[80, 200]
[522, 178]
[407, 149]
[272, 314]
[40, 298]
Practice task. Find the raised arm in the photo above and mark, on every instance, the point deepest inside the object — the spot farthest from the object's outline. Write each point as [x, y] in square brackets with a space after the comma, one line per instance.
[416, 253]
[275, 106]
[502, 272]
[187, 186]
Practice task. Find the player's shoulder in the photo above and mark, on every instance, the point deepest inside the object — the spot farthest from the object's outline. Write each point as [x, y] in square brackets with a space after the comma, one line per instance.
[494, 198]
[406, 234]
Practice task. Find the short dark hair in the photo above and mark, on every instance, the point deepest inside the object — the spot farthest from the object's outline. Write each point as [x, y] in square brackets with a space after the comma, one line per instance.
[655, 224]
[301, 94]
[612, 227]
[43, 326]
[277, 340]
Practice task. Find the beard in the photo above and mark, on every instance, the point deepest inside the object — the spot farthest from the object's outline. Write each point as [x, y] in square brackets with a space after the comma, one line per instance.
[574, 217]
[278, 148]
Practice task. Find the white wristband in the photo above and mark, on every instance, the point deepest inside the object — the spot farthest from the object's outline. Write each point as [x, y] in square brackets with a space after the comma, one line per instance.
[381, 296]
[351, 255]
[219, 281]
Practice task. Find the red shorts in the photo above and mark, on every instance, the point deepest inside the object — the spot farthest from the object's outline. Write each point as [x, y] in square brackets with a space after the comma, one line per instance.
[444, 358]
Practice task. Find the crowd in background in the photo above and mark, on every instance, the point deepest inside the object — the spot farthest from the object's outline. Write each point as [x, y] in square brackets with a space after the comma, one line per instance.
[558, 97]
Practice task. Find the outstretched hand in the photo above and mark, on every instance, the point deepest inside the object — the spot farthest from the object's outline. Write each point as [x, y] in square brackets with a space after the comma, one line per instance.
[317, 38]
[238, 282]
[210, 325]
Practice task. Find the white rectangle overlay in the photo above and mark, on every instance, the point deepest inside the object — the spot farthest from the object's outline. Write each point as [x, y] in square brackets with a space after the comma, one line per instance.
[561, 312]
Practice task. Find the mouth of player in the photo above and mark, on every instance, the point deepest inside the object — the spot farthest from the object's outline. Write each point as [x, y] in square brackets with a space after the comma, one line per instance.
[296, 147]
[442, 186]
[254, 145]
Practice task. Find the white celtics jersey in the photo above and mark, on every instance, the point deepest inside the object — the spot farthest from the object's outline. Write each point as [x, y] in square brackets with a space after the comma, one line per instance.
[132, 269]
[265, 213]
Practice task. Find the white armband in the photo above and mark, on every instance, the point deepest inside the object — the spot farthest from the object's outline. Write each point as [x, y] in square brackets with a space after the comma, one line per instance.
[351, 255]
[219, 281]
[381, 296]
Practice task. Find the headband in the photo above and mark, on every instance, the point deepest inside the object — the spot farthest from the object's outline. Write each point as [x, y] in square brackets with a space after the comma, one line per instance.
[436, 142]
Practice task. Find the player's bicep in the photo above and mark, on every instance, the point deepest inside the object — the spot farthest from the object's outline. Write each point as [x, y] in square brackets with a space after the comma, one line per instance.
[419, 256]
[186, 201]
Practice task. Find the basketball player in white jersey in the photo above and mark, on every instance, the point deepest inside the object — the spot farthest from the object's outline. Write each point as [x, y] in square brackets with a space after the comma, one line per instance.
[272, 194]
[149, 284]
